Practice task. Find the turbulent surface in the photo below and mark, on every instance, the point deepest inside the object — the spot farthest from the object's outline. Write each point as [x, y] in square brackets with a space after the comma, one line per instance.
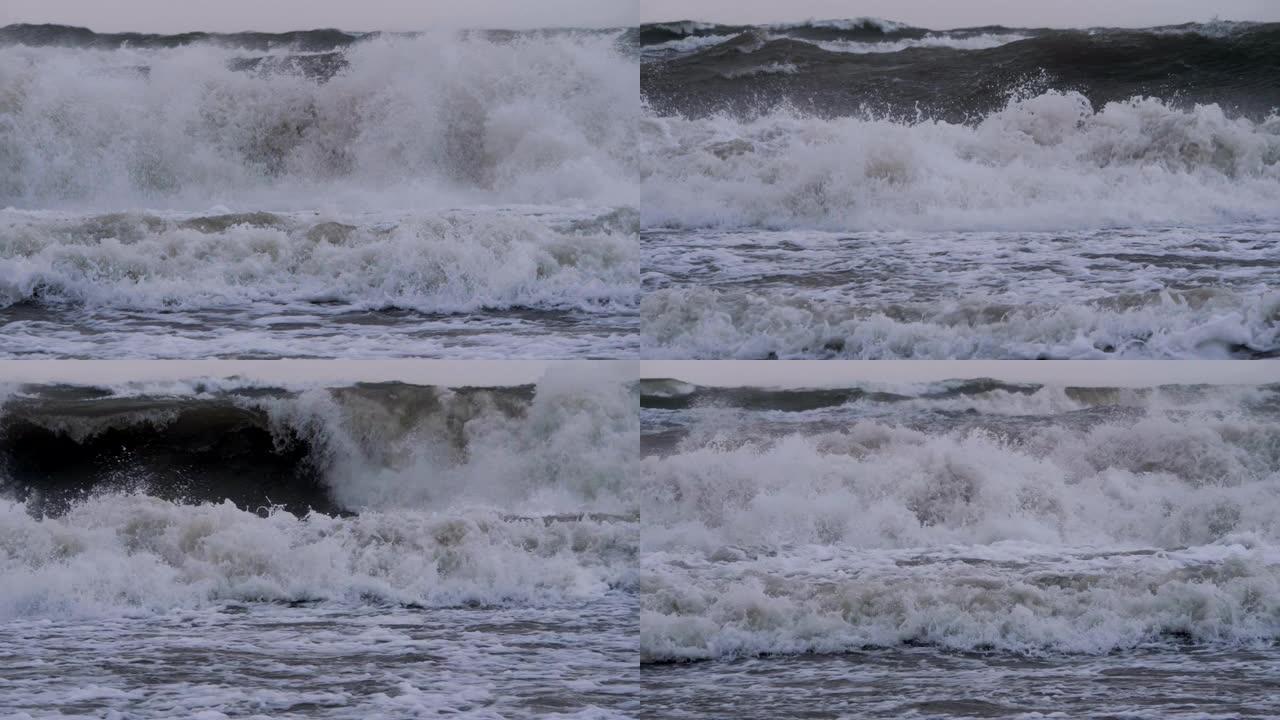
[1092, 193]
[562, 661]
[841, 67]
[1136, 293]
[921, 683]
[969, 529]
[520, 282]
[1046, 162]
[465, 550]
[434, 120]
[317, 194]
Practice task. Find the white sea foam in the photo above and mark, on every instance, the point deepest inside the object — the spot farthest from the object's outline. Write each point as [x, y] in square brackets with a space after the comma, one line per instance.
[1078, 529]
[685, 45]
[773, 68]
[846, 24]
[460, 502]
[980, 41]
[434, 120]
[115, 554]
[1078, 601]
[710, 323]
[1046, 162]
[450, 261]
[476, 282]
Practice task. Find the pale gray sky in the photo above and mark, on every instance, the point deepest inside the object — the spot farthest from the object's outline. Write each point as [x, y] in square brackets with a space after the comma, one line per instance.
[319, 372]
[942, 14]
[277, 15]
[169, 16]
[1089, 373]
[772, 373]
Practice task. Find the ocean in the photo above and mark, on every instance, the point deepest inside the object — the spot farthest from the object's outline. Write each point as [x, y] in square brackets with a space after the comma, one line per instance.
[317, 194]
[863, 189]
[968, 548]
[223, 547]
[377, 520]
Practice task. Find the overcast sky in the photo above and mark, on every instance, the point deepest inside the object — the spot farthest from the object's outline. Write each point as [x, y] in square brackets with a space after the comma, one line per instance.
[277, 15]
[168, 16]
[941, 14]
[323, 372]
[804, 373]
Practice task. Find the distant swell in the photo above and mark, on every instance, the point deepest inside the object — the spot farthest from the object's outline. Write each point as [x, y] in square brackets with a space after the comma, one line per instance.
[960, 75]
[673, 394]
[79, 37]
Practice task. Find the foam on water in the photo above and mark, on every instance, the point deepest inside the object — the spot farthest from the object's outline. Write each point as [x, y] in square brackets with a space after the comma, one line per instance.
[1045, 162]
[979, 41]
[568, 660]
[434, 194]
[432, 120]
[707, 323]
[447, 262]
[476, 497]
[1069, 523]
[695, 43]
[489, 571]
[1203, 292]
[137, 553]
[320, 284]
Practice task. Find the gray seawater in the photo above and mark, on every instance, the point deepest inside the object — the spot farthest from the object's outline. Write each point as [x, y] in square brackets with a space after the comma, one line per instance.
[960, 550]
[223, 548]
[1161, 681]
[1138, 293]
[321, 194]
[515, 282]
[323, 660]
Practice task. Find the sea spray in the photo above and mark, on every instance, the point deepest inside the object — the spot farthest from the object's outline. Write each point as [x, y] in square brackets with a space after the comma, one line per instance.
[182, 495]
[962, 515]
[437, 119]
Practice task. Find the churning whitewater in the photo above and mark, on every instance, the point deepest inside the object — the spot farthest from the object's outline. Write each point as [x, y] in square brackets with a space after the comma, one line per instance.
[961, 538]
[318, 194]
[379, 548]
[804, 188]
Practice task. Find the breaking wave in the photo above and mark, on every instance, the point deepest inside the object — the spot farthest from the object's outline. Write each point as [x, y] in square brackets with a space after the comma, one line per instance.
[1209, 323]
[446, 262]
[261, 121]
[968, 515]
[1048, 161]
[174, 495]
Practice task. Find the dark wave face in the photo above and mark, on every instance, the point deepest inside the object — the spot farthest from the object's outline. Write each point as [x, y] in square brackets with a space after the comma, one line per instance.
[675, 414]
[79, 37]
[259, 448]
[856, 67]
[669, 38]
[314, 54]
[311, 41]
[673, 394]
